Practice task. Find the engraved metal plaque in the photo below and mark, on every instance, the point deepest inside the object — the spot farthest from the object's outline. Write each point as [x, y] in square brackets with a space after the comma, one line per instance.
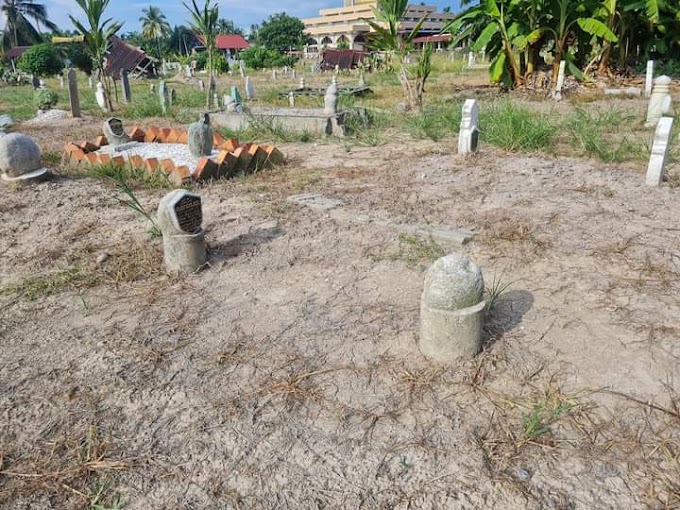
[116, 126]
[189, 214]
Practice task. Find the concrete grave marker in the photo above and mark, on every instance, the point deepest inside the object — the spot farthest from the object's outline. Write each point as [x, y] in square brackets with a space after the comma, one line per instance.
[152, 88]
[100, 96]
[468, 138]
[201, 85]
[73, 93]
[657, 161]
[452, 310]
[557, 93]
[291, 99]
[61, 81]
[200, 137]
[330, 100]
[20, 159]
[471, 59]
[163, 96]
[302, 83]
[114, 132]
[649, 78]
[274, 74]
[250, 89]
[660, 100]
[180, 217]
[293, 73]
[90, 82]
[125, 85]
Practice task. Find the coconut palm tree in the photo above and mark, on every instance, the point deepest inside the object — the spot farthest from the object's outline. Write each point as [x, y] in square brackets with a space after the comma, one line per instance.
[154, 26]
[18, 13]
[97, 36]
[204, 22]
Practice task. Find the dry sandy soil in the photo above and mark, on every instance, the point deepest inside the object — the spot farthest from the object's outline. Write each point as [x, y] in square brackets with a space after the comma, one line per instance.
[287, 374]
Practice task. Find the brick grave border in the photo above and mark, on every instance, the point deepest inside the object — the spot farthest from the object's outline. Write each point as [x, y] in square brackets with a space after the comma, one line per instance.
[233, 157]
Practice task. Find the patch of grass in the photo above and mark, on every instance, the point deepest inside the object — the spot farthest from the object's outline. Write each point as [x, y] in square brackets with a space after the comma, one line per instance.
[133, 203]
[263, 128]
[587, 131]
[516, 128]
[363, 127]
[135, 178]
[414, 249]
[34, 287]
[146, 106]
[17, 101]
[543, 414]
[435, 122]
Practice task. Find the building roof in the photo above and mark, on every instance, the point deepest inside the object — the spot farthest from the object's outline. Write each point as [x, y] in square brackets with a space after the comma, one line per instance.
[231, 42]
[433, 38]
[122, 55]
[16, 52]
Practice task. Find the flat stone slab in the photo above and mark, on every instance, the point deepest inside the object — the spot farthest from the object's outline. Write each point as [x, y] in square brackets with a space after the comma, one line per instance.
[315, 201]
[319, 203]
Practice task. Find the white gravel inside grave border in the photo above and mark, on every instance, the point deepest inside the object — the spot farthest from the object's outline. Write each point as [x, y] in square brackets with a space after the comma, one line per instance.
[178, 152]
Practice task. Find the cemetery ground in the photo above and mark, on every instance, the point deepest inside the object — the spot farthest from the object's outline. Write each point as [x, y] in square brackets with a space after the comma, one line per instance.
[287, 373]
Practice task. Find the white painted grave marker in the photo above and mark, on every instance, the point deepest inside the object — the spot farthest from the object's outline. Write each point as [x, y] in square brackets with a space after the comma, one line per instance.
[659, 102]
[660, 145]
[649, 77]
[468, 138]
[557, 93]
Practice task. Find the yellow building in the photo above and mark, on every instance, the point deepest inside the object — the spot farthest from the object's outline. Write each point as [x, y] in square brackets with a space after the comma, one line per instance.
[346, 26]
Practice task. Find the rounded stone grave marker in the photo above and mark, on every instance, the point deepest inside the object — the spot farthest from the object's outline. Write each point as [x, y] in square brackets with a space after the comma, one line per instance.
[452, 309]
[20, 158]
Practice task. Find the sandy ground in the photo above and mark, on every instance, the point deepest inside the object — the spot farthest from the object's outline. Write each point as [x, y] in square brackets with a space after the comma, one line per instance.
[287, 374]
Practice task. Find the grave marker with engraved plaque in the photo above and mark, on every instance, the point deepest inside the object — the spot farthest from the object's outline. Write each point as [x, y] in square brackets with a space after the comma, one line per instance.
[180, 217]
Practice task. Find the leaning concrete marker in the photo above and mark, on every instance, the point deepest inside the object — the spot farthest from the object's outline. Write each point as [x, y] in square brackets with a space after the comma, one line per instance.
[649, 77]
[657, 161]
[452, 309]
[468, 138]
[557, 93]
[125, 85]
[180, 217]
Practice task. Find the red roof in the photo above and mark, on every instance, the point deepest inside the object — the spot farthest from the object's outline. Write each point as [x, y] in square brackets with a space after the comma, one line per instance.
[231, 42]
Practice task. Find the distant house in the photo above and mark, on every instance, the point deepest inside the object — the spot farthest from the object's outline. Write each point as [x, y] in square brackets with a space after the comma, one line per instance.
[231, 45]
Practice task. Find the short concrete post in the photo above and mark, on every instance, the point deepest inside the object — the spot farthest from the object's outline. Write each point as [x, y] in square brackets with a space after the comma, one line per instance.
[660, 100]
[90, 82]
[274, 74]
[201, 85]
[657, 160]
[302, 83]
[468, 137]
[452, 310]
[180, 217]
[291, 99]
[471, 59]
[330, 100]
[557, 93]
[163, 96]
[73, 93]
[649, 78]
[61, 81]
[100, 96]
[125, 85]
[250, 89]
[293, 73]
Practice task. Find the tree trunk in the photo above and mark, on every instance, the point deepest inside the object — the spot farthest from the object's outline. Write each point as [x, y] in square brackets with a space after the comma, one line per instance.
[210, 78]
[604, 60]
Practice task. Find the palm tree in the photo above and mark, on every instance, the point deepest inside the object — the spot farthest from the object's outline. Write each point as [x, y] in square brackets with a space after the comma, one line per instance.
[204, 22]
[97, 36]
[154, 26]
[17, 13]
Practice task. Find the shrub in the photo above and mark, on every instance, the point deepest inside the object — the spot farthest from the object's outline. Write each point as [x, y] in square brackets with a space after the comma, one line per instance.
[257, 57]
[41, 60]
[45, 99]
[220, 63]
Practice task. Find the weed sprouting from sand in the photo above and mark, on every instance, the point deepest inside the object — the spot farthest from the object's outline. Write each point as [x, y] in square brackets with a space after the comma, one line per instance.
[495, 290]
[34, 287]
[543, 414]
[133, 203]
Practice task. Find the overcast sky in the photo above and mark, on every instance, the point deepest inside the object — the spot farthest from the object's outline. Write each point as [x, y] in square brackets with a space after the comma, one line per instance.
[242, 12]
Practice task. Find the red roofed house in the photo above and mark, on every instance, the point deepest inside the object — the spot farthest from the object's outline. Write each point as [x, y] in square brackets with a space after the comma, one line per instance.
[231, 44]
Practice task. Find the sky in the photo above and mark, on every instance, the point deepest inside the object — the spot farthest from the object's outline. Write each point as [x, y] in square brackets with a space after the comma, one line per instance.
[243, 12]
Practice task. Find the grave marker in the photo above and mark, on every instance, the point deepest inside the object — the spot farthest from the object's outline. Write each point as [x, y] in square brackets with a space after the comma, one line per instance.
[73, 93]
[468, 138]
[649, 78]
[657, 160]
[557, 93]
[660, 100]
[180, 217]
[250, 89]
[114, 132]
[125, 85]
[163, 96]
